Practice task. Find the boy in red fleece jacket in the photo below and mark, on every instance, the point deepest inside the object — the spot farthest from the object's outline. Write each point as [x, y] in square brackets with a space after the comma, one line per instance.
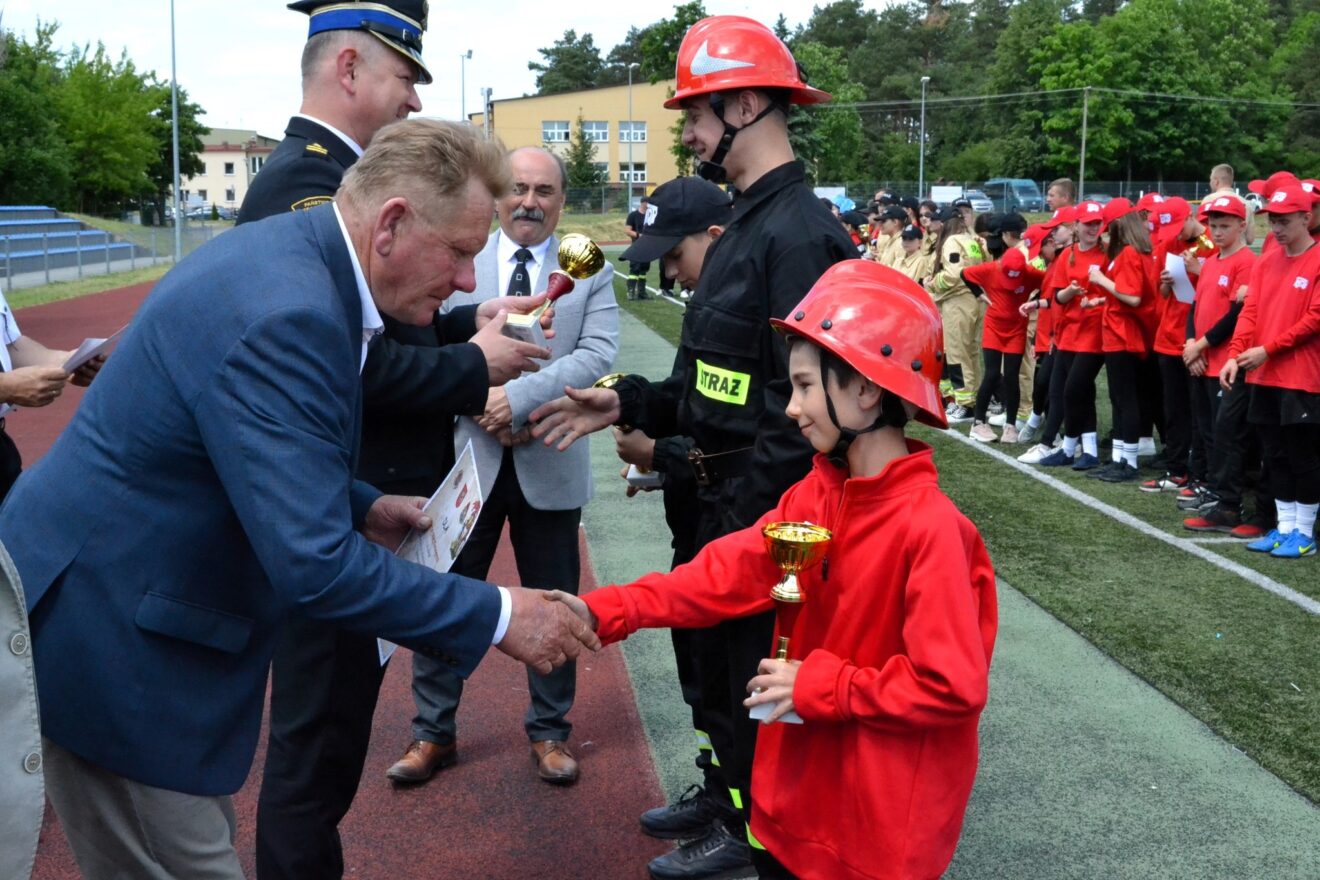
[900, 617]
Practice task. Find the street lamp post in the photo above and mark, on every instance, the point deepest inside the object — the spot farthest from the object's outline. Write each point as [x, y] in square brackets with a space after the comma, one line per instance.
[174, 136]
[462, 82]
[921, 146]
[631, 133]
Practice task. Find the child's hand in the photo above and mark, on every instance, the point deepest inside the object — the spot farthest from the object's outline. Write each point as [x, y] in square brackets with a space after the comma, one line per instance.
[774, 684]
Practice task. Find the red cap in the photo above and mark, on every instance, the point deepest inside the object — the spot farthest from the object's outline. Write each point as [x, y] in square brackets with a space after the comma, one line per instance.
[1168, 218]
[1150, 201]
[883, 325]
[1116, 208]
[1312, 186]
[1035, 237]
[1289, 200]
[1231, 205]
[1268, 186]
[1066, 214]
[1089, 212]
[727, 52]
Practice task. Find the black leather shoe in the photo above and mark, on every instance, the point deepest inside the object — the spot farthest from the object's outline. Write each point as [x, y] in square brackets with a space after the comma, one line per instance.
[716, 856]
[690, 816]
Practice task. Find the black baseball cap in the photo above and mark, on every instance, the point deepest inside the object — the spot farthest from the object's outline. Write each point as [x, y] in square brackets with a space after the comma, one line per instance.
[961, 202]
[894, 212]
[945, 214]
[678, 209]
[398, 24]
[912, 233]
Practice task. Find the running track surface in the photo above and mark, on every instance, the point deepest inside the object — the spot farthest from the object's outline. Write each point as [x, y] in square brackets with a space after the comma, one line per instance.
[486, 817]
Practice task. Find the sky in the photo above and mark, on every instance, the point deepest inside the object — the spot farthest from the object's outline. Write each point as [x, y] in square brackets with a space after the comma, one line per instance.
[238, 59]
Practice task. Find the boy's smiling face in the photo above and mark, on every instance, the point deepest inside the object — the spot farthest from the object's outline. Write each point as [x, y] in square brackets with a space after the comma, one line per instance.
[806, 405]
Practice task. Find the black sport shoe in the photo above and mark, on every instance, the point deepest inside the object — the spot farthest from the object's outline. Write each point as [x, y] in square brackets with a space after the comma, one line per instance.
[688, 817]
[1100, 472]
[715, 856]
[1121, 472]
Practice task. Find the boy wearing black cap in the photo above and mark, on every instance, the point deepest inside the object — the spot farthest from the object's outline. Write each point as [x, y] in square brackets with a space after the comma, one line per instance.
[637, 269]
[889, 247]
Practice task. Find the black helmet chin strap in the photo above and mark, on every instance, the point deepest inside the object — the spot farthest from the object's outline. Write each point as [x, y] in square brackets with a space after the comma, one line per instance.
[713, 169]
[839, 454]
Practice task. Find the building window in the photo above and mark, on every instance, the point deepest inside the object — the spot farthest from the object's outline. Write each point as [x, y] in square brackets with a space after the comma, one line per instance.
[229, 169]
[602, 170]
[597, 132]
[257, 162]
[638, 174]
[554, 132]
[201, 194]
[632, 132]
[230, 195]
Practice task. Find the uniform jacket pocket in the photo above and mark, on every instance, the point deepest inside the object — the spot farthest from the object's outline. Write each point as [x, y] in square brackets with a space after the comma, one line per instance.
[168, 616]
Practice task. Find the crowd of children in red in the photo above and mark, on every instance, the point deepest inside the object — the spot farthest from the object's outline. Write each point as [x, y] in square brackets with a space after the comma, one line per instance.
[1201, 338]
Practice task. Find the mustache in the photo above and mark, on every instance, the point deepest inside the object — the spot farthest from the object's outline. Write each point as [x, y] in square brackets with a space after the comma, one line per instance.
[536, 215]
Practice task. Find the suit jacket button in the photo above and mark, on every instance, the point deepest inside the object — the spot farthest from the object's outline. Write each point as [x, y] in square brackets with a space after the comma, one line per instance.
[452, 661]
[389, 471]
[32, 763]
[19, 644]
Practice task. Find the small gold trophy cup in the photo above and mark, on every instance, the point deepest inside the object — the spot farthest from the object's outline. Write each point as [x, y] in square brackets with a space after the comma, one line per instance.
[579, 257]
[794, 547]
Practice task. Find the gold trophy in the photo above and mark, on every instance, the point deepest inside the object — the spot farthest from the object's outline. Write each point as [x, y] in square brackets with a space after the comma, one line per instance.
[579, 257]
[636, 477]
[795, 547]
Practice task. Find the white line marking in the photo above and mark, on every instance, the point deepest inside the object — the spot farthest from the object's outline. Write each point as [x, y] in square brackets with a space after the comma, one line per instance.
[660, 294]
[1220, 540]
[1306, 603]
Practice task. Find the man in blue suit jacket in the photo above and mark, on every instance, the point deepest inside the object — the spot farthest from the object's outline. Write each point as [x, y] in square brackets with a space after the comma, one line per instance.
[203, 494]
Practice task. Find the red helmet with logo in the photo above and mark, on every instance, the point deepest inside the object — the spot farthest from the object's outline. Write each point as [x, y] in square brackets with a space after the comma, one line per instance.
[725, 52]
[883, 325]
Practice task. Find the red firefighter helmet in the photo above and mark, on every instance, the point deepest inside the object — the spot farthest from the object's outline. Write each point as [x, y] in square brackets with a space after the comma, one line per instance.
[882, 324]
[726, 52]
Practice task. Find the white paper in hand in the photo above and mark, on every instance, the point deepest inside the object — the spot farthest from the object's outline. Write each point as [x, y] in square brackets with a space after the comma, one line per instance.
[90, 348]
[1183, 288]
[453, 510]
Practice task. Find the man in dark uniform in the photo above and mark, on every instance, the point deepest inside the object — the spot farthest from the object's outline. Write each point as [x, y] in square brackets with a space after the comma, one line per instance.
[638, 270]
[730, 382]
[360, 69]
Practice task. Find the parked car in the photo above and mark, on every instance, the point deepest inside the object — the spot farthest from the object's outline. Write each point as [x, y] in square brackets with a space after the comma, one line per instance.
[981, 203]
[1014, 194]
[1255, 200]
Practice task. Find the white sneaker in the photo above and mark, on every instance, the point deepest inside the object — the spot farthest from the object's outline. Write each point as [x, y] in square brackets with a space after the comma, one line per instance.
[958, 414]
[999, 420]
[982, 432]
[1035, 453]
[1027, 434]
[1146, 447]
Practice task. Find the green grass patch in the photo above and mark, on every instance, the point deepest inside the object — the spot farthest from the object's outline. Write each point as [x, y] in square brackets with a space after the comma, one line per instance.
[35, 296]
[1242, 660]
[660, 315]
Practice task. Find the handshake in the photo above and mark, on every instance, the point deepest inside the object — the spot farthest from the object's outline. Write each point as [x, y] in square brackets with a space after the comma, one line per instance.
[547, 628]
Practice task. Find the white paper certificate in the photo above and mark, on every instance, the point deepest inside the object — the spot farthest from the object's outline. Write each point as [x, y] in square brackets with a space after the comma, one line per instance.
[90, 348]
[1183, 288]
[453, 510]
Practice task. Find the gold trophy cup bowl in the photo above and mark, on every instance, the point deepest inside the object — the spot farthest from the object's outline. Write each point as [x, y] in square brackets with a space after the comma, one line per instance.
[794, 547]
[579, 257]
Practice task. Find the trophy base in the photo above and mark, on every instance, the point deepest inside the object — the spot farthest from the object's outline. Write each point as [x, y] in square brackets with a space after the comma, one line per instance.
[761, 711]
[640, 479]
[525, 328]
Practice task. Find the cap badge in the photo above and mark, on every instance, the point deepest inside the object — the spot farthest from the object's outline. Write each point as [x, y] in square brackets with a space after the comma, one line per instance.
[651, 212]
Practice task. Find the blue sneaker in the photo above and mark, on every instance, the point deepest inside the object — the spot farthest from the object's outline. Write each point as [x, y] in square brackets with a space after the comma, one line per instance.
[1295, 546]
[1266, 543]
[1057, 458]
[1085, 462]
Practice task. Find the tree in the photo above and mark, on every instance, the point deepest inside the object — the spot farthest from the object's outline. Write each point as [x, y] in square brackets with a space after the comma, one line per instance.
[161, 172]
[571, 64]
[35, 165]
[829, 140]
[661, 40]
[581, 160]
[1291, 66]
[102, 107]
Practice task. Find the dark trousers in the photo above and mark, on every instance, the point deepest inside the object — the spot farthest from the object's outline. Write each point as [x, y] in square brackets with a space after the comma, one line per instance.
[11, 463]
[1205, 397]
[1040, 382]
[1121, 369]
[1060, 363]
[1079, 394]
[545, 547]
[1234, 445]
[1001, 381]
[324, 684]
[1178, 417]
[1150, 398]
[769, 868]
[1292, 458]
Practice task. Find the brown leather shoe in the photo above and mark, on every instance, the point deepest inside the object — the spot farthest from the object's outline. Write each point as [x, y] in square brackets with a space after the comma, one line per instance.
[420, 762]
[554, 762]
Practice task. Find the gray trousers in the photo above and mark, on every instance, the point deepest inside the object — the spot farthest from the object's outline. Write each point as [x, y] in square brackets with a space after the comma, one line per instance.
[119, 829]
[545, 546]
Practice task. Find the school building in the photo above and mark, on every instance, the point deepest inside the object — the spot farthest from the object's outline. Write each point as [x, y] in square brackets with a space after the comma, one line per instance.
[232, 157]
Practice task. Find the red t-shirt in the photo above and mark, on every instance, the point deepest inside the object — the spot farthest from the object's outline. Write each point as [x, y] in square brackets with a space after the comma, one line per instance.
[1077, 329]
[1044, 317]
[1125, 327]
[1008, 281]
[1215, 290]
[1282, 313]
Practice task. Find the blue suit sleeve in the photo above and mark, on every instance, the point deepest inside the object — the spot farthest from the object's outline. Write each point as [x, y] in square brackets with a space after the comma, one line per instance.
[277, 420]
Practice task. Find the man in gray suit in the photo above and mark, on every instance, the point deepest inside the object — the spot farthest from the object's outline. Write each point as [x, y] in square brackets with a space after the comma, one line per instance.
[537, 490]
[20, 734]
